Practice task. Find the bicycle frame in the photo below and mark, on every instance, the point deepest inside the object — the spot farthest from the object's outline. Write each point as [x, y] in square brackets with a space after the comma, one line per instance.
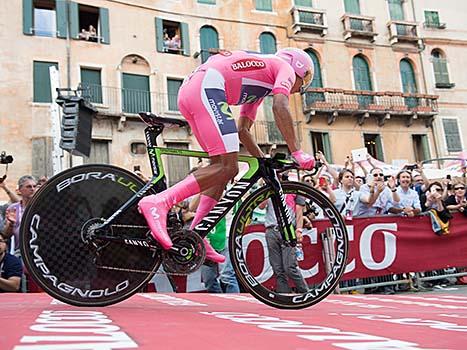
[258, 168]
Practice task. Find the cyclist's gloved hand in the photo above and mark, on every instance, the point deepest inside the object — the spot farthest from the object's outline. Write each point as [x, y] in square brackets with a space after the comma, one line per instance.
[305, 160]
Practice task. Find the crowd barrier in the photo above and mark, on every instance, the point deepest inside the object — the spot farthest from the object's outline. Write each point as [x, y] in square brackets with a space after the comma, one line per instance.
[385, 250]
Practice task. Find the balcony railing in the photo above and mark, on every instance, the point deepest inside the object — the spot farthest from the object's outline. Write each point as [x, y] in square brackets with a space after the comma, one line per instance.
[403, 31]
[117, 101]
[309, 20]
[434, 25]
[266, 132]
[340, 101]
[358, 26]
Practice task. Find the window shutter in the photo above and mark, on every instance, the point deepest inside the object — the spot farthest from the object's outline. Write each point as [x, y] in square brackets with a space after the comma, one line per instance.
[361, 74]
[267, 43]
[185, 39]
[451, 133]
[352, 6]
[173, 85]
[209, 39]
[91, 82]
[41, 81]
[212, 2]
[178, 167]
[409, 83]
[327, 147]
[395, 10]
[379, 148]
[440, 68]
[159, 35]
[74, 20]
[425, 147]
[432, 18]
[61, 18]
[104, 25]
[135, 93]
[264, 5]
[304, 3]
[27, 17]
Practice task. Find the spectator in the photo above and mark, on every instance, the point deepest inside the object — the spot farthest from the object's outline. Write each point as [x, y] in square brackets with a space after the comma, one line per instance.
[42, 180]
[14, 213]
[359, 181]
[376, 196]
[457, 201]
[282, 257]
[433, 197]
[347, 197]
[409, 204]
[13, 198]
[11, 269]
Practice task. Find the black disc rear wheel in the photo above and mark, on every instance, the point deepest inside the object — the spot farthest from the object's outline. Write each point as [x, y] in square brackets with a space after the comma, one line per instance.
[71, 265]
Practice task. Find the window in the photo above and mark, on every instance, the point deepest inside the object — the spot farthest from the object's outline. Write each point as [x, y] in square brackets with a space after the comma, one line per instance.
[173, 85]
[432, 20]
[178, 167]
[440, 68]
[45, 18]
[304, 3]
[317, 81]
[172, 37]
[138, 148]
[396, 10]
[99, 153]
[452, 135]
[41, 81]
[89, 23]
[264, 5]
[209, 40]
[320, 142]
[409, 84]
[91, 84]
[211, 2]
[267, 43]
[135, 93]
[352, 6]
[361, 72]
[373, 145]
[421, 147]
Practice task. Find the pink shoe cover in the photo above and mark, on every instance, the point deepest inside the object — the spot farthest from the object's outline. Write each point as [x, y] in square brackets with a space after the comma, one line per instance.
[211, 254]
[155, 213]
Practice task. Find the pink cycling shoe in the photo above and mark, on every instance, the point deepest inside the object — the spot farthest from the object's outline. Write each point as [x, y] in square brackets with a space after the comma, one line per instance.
[155, 212]
[211, 254]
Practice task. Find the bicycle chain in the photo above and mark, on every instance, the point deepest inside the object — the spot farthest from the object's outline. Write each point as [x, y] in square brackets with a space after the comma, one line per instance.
[134, 270]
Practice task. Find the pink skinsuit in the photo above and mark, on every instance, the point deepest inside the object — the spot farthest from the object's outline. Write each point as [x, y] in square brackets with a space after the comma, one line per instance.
[230, 78]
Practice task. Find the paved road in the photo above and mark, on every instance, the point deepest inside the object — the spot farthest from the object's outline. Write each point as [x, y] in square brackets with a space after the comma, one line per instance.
[436, 320]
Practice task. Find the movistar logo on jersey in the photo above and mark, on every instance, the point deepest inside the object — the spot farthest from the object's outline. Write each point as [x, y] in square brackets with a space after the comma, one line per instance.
[247, 64]
[221, 110]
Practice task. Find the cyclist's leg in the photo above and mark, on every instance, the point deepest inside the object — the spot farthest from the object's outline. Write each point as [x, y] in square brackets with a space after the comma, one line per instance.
[200, 102]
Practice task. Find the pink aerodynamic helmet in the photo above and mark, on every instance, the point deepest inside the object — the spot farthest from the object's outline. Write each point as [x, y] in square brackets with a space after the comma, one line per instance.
[301, 63]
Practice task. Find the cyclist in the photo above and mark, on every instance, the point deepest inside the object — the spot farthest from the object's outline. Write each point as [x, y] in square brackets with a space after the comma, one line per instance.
[230, 78]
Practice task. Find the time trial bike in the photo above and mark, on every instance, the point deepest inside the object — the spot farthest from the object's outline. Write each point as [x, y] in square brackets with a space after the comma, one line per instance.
[84, 242]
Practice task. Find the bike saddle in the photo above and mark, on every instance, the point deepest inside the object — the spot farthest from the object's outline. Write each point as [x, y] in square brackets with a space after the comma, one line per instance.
[155, 120]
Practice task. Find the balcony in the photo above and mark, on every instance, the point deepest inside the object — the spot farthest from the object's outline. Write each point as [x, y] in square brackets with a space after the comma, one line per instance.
[308, 20]
[356, 26]
[115, 101]
[363, 104]
[434, 25]
[403, 31]
[266, 132]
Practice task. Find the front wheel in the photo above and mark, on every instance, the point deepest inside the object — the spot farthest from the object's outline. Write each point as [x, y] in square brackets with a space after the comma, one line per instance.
[67, 263]
[268, 268]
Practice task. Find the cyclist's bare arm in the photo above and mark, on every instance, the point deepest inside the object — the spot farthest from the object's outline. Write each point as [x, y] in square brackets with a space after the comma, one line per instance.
[283, 118]
[244, 126]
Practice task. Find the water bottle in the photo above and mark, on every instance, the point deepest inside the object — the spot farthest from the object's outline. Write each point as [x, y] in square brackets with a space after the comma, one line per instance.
[299, 252]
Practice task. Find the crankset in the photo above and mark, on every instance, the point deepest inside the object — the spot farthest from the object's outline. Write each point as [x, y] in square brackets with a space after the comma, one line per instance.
[187, 254]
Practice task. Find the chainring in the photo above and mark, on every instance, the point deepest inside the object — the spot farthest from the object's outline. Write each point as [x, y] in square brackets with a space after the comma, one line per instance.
[187, 254]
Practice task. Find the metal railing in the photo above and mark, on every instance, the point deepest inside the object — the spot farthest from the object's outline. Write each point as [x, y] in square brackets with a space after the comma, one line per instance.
[309, 19]
[267, 132]
[117, 101]
[356, 25]
[403, 31]
[329, 99]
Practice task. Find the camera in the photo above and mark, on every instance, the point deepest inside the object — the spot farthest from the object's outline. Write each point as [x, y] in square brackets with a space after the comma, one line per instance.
[411, 167]
[5, 159]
